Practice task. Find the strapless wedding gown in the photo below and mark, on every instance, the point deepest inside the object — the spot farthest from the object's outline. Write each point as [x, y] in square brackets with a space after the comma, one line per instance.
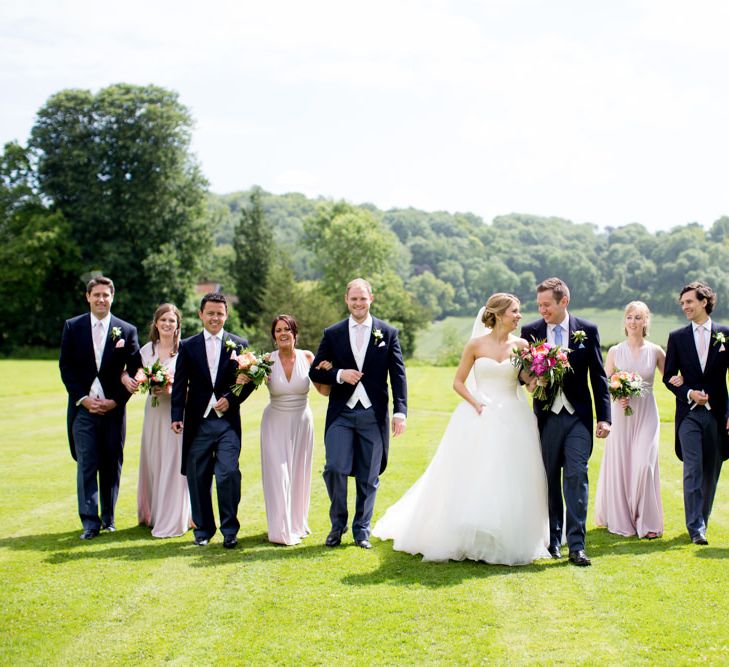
[484, 494]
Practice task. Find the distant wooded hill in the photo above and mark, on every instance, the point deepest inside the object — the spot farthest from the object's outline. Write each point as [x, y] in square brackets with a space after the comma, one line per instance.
[450, 262]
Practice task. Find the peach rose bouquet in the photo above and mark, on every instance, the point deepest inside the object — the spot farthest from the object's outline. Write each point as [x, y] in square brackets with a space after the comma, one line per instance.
[257, 367]
[625, 384]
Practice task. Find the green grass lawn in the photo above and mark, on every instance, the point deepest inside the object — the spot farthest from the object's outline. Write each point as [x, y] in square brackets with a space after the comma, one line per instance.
[127, 598]
[610, 322]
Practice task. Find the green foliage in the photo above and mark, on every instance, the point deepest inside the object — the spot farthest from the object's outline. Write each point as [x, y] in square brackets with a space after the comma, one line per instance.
[117, 166]
[37, 256]
[434, 294]
[351, 242]
[253, 249]
[312, 309]
[348, 242]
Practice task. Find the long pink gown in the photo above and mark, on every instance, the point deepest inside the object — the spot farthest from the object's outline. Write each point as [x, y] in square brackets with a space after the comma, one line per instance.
[287, 443]
[629, 489]
[163, 500]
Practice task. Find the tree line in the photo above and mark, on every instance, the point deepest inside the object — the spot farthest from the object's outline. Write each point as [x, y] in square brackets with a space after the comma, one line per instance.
[106, 183]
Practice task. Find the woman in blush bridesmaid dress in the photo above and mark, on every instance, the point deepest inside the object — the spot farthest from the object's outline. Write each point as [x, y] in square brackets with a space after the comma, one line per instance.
[163, 500]
[287, 437]
[628, 498]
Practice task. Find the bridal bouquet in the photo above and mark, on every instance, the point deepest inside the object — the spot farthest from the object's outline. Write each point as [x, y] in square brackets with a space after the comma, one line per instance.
[154, 376]
[548, 362]
[624, 384]
[256, 367]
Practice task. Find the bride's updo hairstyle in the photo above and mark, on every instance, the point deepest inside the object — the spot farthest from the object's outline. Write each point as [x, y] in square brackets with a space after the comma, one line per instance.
[497, 304]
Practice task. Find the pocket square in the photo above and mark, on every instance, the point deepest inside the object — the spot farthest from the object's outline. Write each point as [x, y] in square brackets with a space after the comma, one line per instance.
[382, 344]
[119, 343]
[722, 348]
[581, 346]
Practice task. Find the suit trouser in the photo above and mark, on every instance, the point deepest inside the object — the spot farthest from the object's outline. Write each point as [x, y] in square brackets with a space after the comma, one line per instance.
[566, 448]
[215, 450]
[698, 435]
[98, 452]
[353, 444]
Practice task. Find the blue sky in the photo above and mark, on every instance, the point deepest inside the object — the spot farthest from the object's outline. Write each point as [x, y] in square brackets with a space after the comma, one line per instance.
[597, 112]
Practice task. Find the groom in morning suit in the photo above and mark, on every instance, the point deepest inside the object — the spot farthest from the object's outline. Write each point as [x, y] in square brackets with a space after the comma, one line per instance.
[207, 413]
[565, 428]
[95, 348]
[363, 351]
[699, 352]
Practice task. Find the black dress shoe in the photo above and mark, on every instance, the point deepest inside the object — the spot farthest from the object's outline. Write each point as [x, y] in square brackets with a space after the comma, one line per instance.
[554, 552]
[700, 539]
[580, 558]
[230, 542]
[334, 539]
[201, 541]
[89, 534]
[365, 544]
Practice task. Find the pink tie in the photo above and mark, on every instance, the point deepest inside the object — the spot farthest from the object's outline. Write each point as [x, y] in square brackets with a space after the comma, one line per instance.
[212, 350]
[702, 346]
[99, 336]
[359, 336]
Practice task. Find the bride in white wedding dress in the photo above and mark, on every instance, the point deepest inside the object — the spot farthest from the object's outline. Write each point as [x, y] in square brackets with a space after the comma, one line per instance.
[484, 494]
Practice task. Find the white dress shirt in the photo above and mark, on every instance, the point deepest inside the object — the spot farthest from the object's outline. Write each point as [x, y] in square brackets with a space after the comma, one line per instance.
[213, 368]
[702, 358]
[359, 393]
[96, 390]
[560, 400]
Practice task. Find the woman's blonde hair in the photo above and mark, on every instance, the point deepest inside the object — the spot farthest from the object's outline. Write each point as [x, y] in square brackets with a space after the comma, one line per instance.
[497, 304]
[641, 308]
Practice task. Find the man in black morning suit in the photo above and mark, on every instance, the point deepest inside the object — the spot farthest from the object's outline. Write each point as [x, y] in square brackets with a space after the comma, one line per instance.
[364, 351]
[204, 404]
[699, 352]
[95, 348]
[565, 429]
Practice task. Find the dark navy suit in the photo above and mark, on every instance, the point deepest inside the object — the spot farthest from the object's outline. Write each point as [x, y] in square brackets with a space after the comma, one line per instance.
[701, 437]
[210, 446]
[567, 438]
[97, 441]
[357, 440]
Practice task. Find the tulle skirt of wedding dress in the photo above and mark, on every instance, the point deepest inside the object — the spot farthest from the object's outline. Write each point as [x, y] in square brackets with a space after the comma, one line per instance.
[484, 494]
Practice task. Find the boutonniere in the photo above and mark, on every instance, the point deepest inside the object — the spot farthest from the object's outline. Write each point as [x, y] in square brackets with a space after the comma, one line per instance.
[232, 347]
[377, 336]
[115, 332]
[719, 339]
[579, 336]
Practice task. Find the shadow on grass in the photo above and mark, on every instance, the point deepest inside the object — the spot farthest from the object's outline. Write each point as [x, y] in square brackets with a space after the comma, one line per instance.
[137, 543]
[397, 567]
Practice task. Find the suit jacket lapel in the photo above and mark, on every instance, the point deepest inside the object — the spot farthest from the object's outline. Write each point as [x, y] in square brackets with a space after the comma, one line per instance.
[346, 345]
[87, 342]
[202, 354]
[693, 353]
[542, 331]
[713, 348]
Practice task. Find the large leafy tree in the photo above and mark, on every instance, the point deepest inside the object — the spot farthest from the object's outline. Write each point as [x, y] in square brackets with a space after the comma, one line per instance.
[350, 242]
[117, 165]
[36, 257]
